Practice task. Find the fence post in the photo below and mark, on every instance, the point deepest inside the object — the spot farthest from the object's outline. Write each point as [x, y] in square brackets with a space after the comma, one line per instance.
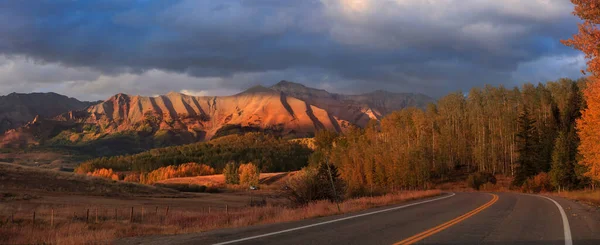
[167, 212]
[156, 211]
[209, 209]
[33, 217]
[131, 216]
[52, 218]
[87, 216]
[226, 209]
[142, 221]
[96, 215]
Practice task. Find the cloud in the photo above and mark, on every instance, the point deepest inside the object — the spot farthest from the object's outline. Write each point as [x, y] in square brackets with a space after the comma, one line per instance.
[194, 92]
[548, 68]
[90, 49]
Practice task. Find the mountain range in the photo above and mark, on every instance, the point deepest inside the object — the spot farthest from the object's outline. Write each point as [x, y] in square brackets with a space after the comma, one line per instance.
[17, 109]
[286, 109]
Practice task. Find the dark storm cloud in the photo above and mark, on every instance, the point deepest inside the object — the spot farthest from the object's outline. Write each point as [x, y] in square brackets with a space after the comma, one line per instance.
[348, 45]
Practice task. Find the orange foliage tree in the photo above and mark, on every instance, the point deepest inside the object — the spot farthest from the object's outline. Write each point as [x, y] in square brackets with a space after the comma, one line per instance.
[132, 177]
[249, 174]
[588, 41]
[104, 173]
[184, 170]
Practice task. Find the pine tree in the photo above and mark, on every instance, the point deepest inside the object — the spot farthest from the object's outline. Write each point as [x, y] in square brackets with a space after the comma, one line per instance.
[528, 146]
[327, 174]
[562, 173]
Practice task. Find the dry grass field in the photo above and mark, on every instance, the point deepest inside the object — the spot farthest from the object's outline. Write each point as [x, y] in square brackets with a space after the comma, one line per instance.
[40, 159]
[103, 223]
[588, 196]
[44, 206]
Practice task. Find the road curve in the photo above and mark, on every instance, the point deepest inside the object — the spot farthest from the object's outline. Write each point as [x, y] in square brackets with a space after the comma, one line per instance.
[461, 218]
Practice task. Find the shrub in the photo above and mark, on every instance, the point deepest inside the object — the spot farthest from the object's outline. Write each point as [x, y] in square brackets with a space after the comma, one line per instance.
[312, 184]
[475, 180]
[538, 183]
[104, 173]
[84, 168]
[249, 174]
[132, 177]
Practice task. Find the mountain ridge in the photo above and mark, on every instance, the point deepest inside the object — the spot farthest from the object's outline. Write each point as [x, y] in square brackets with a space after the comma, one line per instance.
[17, 109]
[177, 118]
[358, 108]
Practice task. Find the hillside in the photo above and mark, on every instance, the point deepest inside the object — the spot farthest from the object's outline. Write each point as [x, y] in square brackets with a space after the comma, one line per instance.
[18, 179]
[17, 109]
[270, 155]
[358, 109]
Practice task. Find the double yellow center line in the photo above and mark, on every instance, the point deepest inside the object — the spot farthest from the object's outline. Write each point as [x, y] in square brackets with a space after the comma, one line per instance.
[434, 230]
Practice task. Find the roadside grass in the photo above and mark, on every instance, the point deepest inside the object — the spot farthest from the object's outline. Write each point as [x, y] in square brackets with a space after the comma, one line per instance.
[587, 196]
[72, 226]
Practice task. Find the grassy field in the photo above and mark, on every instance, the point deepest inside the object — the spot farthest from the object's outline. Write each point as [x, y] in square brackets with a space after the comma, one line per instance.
[45, 206]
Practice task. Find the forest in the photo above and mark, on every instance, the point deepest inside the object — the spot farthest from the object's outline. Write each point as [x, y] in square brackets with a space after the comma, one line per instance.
[269, 153]
[521, 132]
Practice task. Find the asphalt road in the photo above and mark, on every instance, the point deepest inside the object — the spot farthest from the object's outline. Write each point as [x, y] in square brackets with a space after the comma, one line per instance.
[454, 218]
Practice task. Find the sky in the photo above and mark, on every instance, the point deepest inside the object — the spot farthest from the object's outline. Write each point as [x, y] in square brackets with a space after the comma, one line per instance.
[93, 49]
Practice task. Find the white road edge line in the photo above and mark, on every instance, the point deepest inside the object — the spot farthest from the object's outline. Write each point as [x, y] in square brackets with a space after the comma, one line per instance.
[565, 220]
[333, 221]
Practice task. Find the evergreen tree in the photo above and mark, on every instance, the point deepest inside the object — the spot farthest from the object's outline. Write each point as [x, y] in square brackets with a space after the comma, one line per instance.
[326, 174]
[527, 145]
[562, 173]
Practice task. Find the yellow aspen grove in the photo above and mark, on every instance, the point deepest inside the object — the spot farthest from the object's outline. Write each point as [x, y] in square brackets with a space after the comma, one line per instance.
[588, 129]
[588, 40]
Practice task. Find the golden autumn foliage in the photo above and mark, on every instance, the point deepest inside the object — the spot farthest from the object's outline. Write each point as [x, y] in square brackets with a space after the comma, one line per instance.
[587, 40]
[132, 177]
[536, 184]
[588, 37]
[104, 173]
[184, 170]
[249, 174]
[589, 131]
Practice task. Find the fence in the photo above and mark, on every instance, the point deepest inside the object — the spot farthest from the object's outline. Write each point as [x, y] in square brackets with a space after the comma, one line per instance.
[158, 215]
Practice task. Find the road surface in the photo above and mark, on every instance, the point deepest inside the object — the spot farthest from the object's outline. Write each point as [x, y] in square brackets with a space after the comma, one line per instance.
[453, 218]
